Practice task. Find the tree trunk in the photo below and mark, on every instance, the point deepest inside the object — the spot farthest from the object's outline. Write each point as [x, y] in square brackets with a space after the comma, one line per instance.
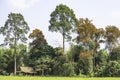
[63, 42]
[15, 57]
[42, 72]
[14, 61]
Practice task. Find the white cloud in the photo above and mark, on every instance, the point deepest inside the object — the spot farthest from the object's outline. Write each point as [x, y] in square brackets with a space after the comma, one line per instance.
[22, 4]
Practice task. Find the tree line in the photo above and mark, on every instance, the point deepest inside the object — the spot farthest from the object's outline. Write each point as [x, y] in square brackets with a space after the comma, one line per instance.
[84, 58]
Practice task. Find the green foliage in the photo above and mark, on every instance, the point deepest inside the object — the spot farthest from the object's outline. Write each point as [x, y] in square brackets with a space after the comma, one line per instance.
[22, 55]
[6, 61]
[38, 39]
[98, 71]
[99, 38]
[86, 32]
[14, 30]
[100, 61]
[112, 69]
[73, 55]
[44, 51]
[101, 57]
[68, 69]
[42, 60]
[74, 52]
[43, 65]
[85, 63]
[41, 54]
[63, 20]
[115, 54]
[83, 59]
[38, 45]
[112, 35]
[91, 45]
[58, 68]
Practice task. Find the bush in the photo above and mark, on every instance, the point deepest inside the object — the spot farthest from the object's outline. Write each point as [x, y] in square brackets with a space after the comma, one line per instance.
[68, 69]
[112, 69]
[99, 70]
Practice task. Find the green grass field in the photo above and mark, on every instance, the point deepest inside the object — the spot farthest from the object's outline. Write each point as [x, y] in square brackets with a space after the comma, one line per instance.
[52, 78]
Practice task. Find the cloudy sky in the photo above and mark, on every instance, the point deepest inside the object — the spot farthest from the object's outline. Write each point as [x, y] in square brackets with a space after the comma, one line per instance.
[37, 13]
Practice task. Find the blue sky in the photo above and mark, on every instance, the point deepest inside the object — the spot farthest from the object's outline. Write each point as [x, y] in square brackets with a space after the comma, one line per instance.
[37, 13]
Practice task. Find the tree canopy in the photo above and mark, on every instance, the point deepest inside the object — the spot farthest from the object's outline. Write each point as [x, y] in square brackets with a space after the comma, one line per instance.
[63, 20]
[14, 30]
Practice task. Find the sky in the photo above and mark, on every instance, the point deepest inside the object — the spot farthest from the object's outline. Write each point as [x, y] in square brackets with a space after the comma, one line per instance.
[37, 14]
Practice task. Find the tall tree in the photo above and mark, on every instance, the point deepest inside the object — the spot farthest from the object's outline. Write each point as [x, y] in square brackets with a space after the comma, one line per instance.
[14, 30]
[99, 38]
[86, 37]
[112, 35]
[86, 32]
[38, 41]
[63, 20]
[41, 53]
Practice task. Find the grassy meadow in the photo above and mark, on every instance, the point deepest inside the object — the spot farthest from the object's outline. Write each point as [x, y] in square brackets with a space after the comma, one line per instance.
[53, 78]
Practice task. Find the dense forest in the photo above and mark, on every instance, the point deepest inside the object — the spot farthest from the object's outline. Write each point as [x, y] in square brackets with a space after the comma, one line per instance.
[85, 57]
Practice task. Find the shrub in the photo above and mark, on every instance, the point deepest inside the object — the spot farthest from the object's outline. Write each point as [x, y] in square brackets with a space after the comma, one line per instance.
[112, 69]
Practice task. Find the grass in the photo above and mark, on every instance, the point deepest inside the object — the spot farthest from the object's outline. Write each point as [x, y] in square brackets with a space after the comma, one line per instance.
[53, 78]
